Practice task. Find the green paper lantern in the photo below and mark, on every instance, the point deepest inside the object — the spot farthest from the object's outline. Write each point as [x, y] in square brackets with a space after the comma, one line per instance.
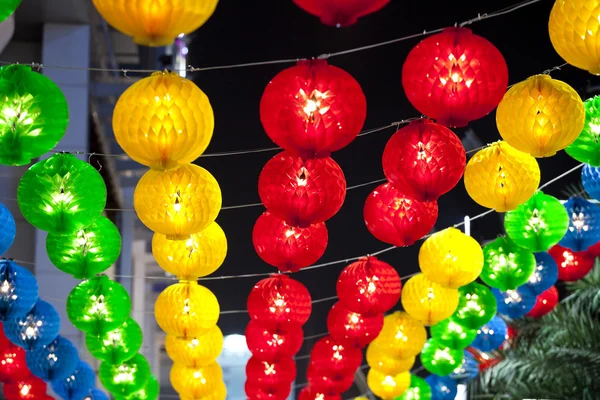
[150, 392]
[98, 305]
[418, 390]
[453, 335]
[33, 111]
[118, 345]
[537, 224]
[586, 148]
[476, 306]
[87, 252]
[125, 378]
[440, 359]
[61, 194]
[506, 266]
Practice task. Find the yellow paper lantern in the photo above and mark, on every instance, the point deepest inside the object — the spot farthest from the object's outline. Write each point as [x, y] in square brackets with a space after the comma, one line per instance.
[163, 121]
[155, 23]
[196, 382]
[186, 310]
[501, 178]
[428, 301]
[402, 336]
[387, 386]
[451, 258]
[196, 351]
[220, 393]
[540, 116]
[378, 358]
[179, 202]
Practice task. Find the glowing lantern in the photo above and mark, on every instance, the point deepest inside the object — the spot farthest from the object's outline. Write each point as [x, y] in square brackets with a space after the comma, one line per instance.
[427, 301]
[468, 370]
[197, 351]
[450, 258]
[393, 218]
[544, 303]
[271, 372]
[353, 329]
[340, 12]
[380, 360]
[440, 359]
[97, 394]
[54, 194]
[219, 393]
[424, 160]
[572, 266]
[13, 366]
[259, 391]
[329, 381]
[270, 343]
[476, 306]
[453, 335]
[37, 328]
[125, 378]
[514, 304]
[18, 290]
[196, 382]
[179, 202]
[402, 336]
[333, 356]
[500, 177]
[77, 385]
[442, 387]
[8, 229]
[118, 345]
[491, 335]
[149, 392]
[28, 388]
[418, 390]
[302, 192]
[313, 108]
[586, 148]
[54, 361]
[506, 265]
[540, 116]
[387, 386]
[545, 274]
[584, 225]
[590, 179]
[309, 393]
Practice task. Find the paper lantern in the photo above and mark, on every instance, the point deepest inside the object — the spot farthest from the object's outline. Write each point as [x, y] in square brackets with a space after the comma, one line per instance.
[451, 258]
[54, 194]
[514, 304]
[584, 225]
[590, 179]
[442, 387]
[179, 202]
[29, 388]
[271, 372]
[428, 301]
[418, 390]
[369, 286]
[393, 218]
[154, 26]
[97, 394]
[380, 360]
[54, 361]
[302, 192]
[330, 355]
[353, 329]
[506, 265]
[87, 252]
[271, 343]
[440, 359]
[186, 309]
[572, 266]
[454, 77]
[501, 177]
[287, 247]
[259, 391]
[586, 148]
[313, 108]
[424, 160]
[476, 306]
[453, 335]
[77, 385]
[537, 224]
[8, 8]
[199, 255]
[340, 12]
[35, 329]
[8, 229]
[18, 290]
[544, 303]
[197, 351]
[545, 274]
[402, 336]
[468, 370]
[329, 381]
[98, 305]
[34, 111]
[309, 393]
[491, 335]
[118, 345]
[125, 378]
[387, 386]
[13, 365]
[149, 392]
[540, 116]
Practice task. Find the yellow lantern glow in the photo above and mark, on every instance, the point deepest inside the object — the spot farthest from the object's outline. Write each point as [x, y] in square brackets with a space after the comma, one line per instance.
[451, 258]
[163, 121]
[402, 336]
[378, 358]
[155, 23]
[427, 301]
[388, 386]
[196, 351]
[179, 202]
[540, 116]
[186, 310]
[218, 394]
[196, 382]
[501, 178]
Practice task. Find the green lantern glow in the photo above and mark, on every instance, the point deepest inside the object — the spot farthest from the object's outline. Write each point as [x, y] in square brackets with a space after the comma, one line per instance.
[476, 306]
[33, 111]
[537, 224]
[586, 148]
[440, 359]
[125, 378]
[506, 266]
[150, 392]
[118, 345]
[98, 305]
[453, 335]
[418, 390]
[61, 194]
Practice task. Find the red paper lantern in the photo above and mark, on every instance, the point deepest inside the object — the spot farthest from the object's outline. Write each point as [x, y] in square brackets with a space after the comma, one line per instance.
[393, 218]
[369, 286]
[287, 247]
[279, 300]
[310, 393]
[353, 329]
[330, 382]
[340, 12]
[302, 192]
[329, 354]
[271, 373]
[313, 108]
[424, 160]
[544, 303]
[257, 391]
[12, 363]
[572, 265]
[28, 388]
[270, 343]
[455, 77]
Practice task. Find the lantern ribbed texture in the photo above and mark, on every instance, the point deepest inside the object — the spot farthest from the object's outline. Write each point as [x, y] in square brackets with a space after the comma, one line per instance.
[271, 373]
[540, 116]
[545, 274]
[427, 301]
[328, 382]
[97, 394]
[440, 359]
[491, 335]
[271, 343]
[387, 386]
[9, 229]
[402, 336]
[149, 392]
[506, 265]
[545, 302]
[197, 351]
[584, 224]
[219, 393]
[380, 360]
[586, 148]
[590, 179]
[127, 377]
[468, 370]
[21, 292]
[442, 387]
[351, 328]
[257, 390]
[514, 304]
[333, 356]
[118, 345]
[340, 12]
[476, 306]
[37, 328]
[309, 393]
[501, 178]
[54, 361]
[418, 390]
[13, 365]
[572, 266]
[453, 335]
[28, 388]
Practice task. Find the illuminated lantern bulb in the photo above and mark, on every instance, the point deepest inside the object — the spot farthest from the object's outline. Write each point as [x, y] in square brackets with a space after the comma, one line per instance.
[544, 303]
[179, 202]
[491, 335]
[270, 373]
[545, 274]
[18, 290]
[440, 359]
[13, 365]
[380, 360]
[453, 335]
[501, 178]
[54, 361]
[572, 266]
[450, 258]
[540, 116]
[584, 225]
[8, 229]
[118, 345]
[329, 381]
[418, 390]
[340, 12]
[353, 329]
[476, 306]
[258, 391]
[514, 304]
[125, 378]
[77, 385]
[28, 388]
[333, 356]
[455, 77]
[424, 160]
[37, 328]
[387, 386]
[149, 392]
[197, 351]
[309, 393]
[313, 108]
[289, 248]
[590, 179]
[442, 387]
[271, 343]
[393, 218]
[154, 26]
[427, 301]
[586, 148]
[402, 336]
[506, 265]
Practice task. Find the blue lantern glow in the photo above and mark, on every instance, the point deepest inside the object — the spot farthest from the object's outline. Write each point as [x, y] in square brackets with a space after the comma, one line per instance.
[442, 387]
[491, 335]
[8, 229]
[96, 394]
[18, 290]
[584, 225]
[515, 303]
[467, 371]
[590, 179]
[545, 274]
[54, 361]
[77, 385]
[37, 328]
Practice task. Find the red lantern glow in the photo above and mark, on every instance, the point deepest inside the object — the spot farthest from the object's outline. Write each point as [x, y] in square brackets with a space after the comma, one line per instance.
[331, 355]
[329, 381]
[302, 192]
[29, 388]
[271, 373]
[12, 363]
[310, 393]
[353, 329]
[340, 12]
[393, 218]
[572, 265]
[424, 160]
[455, 77]
[544, 303]
[258, 391]
[287, 247]
[313, 108]
[270, 343]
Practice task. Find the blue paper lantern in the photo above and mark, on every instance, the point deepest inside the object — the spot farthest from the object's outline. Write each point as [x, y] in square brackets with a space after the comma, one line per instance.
[491, 335]
[97, 394]
[590, 179]
[442, 387]
[37, 328]
[8, 229]
[77, 385]
[515, 303]
[545, 274]
[54, 361]
[584, 225]
[18, 290]
[467, 371]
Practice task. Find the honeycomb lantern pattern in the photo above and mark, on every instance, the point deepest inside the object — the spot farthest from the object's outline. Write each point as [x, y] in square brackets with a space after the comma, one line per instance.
[271, 373]
[545, 302]
[327, 381]
[476, 306]
[514, 304]
[427, 301]
[28, 388]
[386, 386]
[439, 359]
[572, 266]
[545, 274]
[340, 12]
[402, 336]
[9, 229]
[125, 378]
[584, 224]
[309, 393]
[13, 365]
[590, 179]
[540, 116]
[195, 351]
[380, 360]
[351, 328]
[333, 356]
[453, 335]
[455, 77]
[271, 343]
[256, 390]
[118, 345]
[506, 265]
[197, 383]
[586, 148]
[36, 329]
[54, 361]
[149, 392]
[20, 291]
